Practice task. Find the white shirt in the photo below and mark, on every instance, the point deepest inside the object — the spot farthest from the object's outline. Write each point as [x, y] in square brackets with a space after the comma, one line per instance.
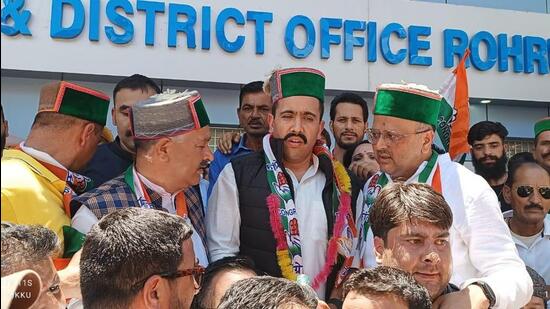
[84, 218]
[481, 244]
[537, 254]
[223, 218]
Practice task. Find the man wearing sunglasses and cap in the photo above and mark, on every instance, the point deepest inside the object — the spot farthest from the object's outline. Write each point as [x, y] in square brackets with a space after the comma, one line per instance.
[486, 265]
[528, 191]
[171, 134]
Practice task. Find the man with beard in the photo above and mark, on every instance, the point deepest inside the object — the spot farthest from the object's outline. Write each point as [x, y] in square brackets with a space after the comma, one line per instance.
[4, 125]
[348, 121]
[254, 107]
[171, 134]
[485, 262]
[542, 143]
[302, 187]
[111, 159]
[486, 139]
[528, 191]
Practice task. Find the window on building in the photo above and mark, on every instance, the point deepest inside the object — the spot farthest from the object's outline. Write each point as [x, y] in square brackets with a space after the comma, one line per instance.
[217, 131]
[517, 145]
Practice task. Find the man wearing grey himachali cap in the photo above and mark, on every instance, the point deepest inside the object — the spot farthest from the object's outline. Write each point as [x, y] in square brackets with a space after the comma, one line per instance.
[171, 133]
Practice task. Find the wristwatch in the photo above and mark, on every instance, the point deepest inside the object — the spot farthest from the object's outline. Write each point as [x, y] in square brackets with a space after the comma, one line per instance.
[488, 292]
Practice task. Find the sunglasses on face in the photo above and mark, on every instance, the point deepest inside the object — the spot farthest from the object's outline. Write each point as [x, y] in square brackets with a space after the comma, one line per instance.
[526, 191]
[196, 272]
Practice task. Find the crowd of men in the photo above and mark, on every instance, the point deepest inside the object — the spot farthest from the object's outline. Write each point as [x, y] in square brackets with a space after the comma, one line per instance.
[273, 218]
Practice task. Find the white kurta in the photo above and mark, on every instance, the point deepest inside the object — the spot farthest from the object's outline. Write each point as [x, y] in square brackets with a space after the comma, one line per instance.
[223, 218]
[481, 244]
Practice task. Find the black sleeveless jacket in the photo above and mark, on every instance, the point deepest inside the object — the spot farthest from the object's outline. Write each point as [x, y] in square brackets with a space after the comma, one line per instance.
[256, 236]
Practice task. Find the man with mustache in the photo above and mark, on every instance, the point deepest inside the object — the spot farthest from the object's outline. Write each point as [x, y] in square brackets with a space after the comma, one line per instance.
[279, 206]
[485, 262]
[411, 223]
[528, 191]
[254, 107]
[486, 139]
[348, 122]
[542, 143]
[111, 159]
[171, 133]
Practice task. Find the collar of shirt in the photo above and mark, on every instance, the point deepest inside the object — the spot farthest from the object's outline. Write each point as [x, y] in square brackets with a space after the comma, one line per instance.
[311, 171]
[241, 145]
[40, 155]
[167, 198]
[441, 159]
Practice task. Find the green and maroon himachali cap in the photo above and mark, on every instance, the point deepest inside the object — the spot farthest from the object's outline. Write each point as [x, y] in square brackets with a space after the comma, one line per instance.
[291, 82]
[408, 101]
[541, 126]
[74, 100]
[168, 114]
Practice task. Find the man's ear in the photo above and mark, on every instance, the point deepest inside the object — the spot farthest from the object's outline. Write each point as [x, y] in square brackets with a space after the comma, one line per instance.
[428, 141]
[270, 119]
[507, 193]
[88, 132]
[330, 124]
[152, 292]
[379, 249]
[113, 116]
[162, 149]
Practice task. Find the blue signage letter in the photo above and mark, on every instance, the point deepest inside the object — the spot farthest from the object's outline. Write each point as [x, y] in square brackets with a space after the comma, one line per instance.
[307, 24]
[57, 31]
[540, 55]
[175, 26]
[326, 38]
[415, 45]
[388, 55]
[350, 40]
[151, 8]
[371, 41]
[491, 43]
[119, 20]
[515, 52]
[260, 18]
[93, 31]
[225, 44]
[206, 19]
[450, 49]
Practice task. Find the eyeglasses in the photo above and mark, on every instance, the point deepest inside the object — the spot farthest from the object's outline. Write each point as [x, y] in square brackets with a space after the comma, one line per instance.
[196, 272]
[526, 191]
[391, 137]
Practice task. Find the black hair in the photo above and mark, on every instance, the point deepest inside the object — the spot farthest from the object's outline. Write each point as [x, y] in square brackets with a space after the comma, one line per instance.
[386, 281]
[326, 135]
[135, 82]
[126, 247]
[398, 203]
[349, 97]
[252, 87]
[231, 263]
[483, 129]
[269, 293]
[517, 161]
[349, 153]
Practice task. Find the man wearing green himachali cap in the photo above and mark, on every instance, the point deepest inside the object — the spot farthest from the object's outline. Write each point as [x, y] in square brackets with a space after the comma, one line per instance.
[485, 264]
[542, 143]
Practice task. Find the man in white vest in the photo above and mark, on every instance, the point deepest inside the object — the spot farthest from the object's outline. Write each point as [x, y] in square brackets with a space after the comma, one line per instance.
[486, 265]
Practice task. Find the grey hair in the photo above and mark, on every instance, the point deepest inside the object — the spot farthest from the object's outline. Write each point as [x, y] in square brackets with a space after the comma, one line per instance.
[25, 245]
